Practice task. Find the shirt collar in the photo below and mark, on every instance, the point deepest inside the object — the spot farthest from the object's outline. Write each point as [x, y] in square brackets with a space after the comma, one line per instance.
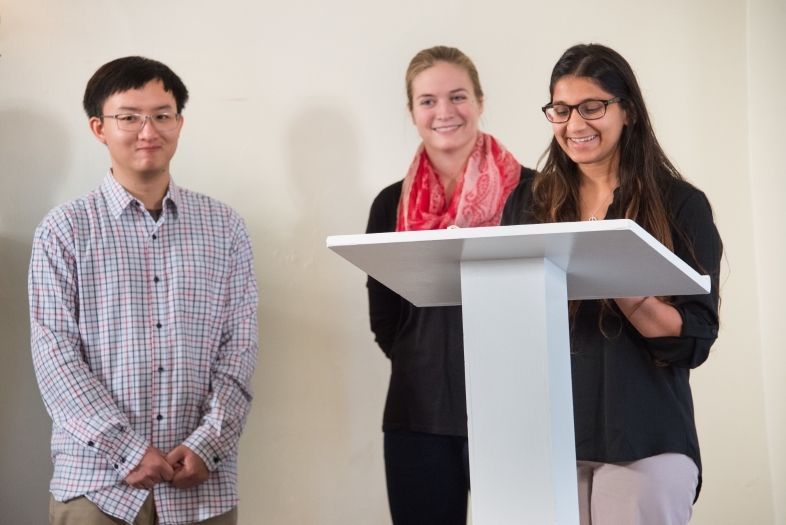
[118, 198]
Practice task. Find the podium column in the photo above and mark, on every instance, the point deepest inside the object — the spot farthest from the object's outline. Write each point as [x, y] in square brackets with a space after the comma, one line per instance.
[519, 401]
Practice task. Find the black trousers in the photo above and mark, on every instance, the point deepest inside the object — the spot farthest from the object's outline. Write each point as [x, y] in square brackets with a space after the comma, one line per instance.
[427, 477]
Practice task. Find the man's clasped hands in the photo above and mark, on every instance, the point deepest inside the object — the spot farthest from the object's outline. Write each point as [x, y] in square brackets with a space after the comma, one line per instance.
[182, 467]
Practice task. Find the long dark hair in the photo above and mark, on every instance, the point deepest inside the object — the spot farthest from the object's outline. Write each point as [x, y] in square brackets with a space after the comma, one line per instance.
[644, 169]
[644, 172]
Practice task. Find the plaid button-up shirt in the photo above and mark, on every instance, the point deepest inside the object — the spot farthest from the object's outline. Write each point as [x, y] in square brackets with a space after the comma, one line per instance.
[143, 333]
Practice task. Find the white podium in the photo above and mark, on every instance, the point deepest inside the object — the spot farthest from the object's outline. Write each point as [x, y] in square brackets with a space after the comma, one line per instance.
[514, 283]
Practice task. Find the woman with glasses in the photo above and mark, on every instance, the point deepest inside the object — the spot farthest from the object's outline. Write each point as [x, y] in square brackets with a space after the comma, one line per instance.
[636, 442]
[461, 177]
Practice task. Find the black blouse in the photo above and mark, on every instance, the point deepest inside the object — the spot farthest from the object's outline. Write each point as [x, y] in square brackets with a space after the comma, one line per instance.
[425, 346]
[631, 394]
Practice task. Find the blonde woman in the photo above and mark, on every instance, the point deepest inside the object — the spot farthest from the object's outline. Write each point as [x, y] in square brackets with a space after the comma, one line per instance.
[459, 176]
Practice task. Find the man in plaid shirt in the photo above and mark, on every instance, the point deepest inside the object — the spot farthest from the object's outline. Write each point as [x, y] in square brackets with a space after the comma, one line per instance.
[143, 315]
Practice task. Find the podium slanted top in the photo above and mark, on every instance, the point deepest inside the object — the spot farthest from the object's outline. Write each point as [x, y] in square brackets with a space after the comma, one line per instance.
[602, 259]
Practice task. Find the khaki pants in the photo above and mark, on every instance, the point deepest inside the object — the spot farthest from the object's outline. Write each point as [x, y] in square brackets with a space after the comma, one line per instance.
[82, 511]
[651, 491]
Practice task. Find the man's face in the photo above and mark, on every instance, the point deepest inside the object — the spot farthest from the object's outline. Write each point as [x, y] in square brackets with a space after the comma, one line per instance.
[145, 153]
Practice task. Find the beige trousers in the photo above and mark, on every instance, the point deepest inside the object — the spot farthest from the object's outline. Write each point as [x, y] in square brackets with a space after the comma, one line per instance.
[651, 491]
[82, 511]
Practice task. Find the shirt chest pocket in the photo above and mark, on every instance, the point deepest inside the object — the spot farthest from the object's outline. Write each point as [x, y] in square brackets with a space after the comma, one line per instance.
[199, 286]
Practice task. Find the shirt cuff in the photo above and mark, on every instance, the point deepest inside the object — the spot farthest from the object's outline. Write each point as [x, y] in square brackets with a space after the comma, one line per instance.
[128, 453]
[695, 326]
[203, 443]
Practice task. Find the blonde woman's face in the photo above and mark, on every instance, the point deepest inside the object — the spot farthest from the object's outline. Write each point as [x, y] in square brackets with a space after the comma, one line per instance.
[445, 109]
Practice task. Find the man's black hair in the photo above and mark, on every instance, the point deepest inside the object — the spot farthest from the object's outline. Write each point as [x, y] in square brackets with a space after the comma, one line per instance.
[125, 74]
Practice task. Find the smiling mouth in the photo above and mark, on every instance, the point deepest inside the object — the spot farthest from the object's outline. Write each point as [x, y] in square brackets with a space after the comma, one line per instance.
[447, 129]
[583, 139]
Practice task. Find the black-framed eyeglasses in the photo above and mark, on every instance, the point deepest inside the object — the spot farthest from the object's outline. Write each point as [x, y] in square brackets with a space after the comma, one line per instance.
[589, 110]
[135, 121]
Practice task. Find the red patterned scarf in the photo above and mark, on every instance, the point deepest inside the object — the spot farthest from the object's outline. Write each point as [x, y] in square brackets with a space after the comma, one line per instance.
[478, 199]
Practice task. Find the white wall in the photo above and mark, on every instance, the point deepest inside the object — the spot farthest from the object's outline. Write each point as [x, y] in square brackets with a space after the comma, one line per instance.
[766, 78]
[297, 119]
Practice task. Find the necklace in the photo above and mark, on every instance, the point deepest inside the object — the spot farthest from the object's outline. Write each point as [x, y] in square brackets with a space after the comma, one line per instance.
[592, 215]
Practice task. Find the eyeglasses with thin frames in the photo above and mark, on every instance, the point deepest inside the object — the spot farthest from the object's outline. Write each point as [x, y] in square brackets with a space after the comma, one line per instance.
[135, 121]
[589, 110]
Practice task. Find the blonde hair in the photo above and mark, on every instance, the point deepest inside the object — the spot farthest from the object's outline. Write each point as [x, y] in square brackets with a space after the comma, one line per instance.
[450, 55]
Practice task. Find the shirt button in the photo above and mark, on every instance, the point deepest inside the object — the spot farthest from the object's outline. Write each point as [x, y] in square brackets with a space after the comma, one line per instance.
[159, 417]
[154, 237]
[123, 459]
[158, 325]
[714, 331]
[160, 368]
[90, 444]
[216, 459]
[155, 279]
[116, 467]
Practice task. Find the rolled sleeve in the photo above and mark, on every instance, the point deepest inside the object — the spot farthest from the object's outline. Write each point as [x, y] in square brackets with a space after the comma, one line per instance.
[697, 242]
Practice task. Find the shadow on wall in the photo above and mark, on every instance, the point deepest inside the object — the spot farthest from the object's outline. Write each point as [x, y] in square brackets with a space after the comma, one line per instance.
[312, 391]
[33, 155]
